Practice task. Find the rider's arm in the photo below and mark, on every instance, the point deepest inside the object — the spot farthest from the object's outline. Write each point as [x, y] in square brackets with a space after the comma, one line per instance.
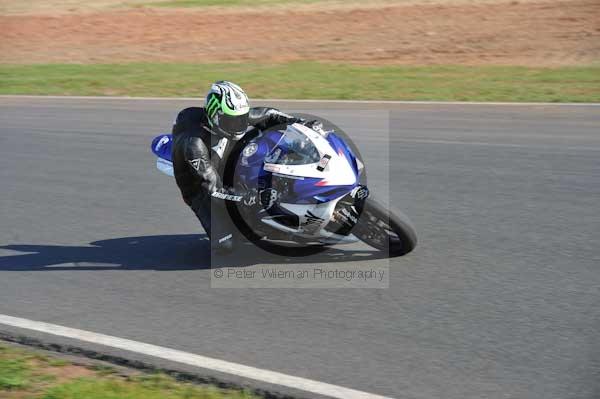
[264, 118]
[198, 158]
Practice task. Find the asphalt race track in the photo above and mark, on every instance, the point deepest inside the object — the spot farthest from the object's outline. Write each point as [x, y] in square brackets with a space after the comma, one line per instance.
[501, 298]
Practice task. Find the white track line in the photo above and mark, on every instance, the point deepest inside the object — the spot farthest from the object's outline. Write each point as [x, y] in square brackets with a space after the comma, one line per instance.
[270, 377]
[299, 101]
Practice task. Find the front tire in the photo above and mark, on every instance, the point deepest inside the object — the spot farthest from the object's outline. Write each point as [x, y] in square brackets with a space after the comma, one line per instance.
[385, 230]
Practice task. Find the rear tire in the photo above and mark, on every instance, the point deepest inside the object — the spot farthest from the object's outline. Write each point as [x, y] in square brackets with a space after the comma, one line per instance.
[385, 230]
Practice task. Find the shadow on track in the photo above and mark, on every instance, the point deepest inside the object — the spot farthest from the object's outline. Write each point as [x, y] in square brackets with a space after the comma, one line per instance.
[166, 252]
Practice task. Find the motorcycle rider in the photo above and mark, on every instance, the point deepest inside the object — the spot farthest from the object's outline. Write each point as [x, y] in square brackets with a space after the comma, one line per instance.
[203, 138]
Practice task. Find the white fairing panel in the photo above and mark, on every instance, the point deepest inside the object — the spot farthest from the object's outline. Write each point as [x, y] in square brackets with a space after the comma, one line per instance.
[313, 218]
[338, 171]
[165, 166]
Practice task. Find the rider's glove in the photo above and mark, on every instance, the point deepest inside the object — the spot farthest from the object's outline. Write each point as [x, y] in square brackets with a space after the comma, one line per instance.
[250, 199]
[265, 198]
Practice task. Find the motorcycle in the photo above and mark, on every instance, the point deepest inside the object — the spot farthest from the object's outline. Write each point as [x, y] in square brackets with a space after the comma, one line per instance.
[320, 200]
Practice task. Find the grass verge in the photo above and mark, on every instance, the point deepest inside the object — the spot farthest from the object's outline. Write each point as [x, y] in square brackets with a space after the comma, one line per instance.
[310, 80]
[28, 374]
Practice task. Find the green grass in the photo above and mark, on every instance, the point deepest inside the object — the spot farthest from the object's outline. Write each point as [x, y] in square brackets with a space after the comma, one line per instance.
[57, 362]
[102, 369]
[310, 80]
[14, 374]
[158, 388]
[29, 374]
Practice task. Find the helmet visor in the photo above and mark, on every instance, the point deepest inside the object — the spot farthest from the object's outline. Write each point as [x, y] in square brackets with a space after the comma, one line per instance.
[233, 124]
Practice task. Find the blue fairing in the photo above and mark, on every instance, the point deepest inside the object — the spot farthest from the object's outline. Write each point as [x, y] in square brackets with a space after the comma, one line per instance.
[299, 191]
[161, 146]
[308, 192]
[250, 169]
[339, 145]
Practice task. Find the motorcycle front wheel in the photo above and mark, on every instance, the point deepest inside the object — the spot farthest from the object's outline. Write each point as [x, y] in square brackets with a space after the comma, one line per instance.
[385, 230]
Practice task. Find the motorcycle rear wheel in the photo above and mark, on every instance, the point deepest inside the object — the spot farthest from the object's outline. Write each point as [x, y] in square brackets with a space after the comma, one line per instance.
[385, 230]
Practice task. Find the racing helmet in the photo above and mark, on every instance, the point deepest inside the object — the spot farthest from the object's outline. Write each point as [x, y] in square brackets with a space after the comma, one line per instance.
[227, 109]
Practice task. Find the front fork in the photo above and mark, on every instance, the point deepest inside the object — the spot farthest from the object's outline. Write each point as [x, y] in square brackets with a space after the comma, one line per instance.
[348, 210]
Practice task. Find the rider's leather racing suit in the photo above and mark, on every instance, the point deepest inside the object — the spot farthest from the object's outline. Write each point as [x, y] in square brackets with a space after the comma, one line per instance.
[198, 162]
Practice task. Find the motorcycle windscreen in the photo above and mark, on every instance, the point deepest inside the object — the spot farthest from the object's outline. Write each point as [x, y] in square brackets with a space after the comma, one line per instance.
[294, 148]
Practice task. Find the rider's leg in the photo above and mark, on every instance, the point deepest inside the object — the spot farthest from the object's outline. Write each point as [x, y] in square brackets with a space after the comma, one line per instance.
[214, 218]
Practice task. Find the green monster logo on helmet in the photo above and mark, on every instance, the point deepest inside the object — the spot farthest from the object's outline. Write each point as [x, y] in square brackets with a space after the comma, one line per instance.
[227, 108]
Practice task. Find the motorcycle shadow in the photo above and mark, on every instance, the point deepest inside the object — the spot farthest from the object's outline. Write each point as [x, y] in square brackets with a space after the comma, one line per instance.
[163, 252]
